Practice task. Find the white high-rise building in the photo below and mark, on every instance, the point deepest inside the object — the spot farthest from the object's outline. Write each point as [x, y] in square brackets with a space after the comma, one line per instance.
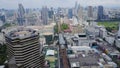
[80, 14]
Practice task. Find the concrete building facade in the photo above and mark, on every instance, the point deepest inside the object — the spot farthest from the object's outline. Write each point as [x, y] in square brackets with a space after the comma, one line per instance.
[24, 49]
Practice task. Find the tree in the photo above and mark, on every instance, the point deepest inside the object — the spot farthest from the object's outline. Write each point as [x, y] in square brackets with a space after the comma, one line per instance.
[3, 54]
[56, 28]
[63, 27]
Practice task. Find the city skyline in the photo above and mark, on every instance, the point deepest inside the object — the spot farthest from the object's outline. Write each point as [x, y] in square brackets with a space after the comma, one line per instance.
[59, 33]
[13, 4]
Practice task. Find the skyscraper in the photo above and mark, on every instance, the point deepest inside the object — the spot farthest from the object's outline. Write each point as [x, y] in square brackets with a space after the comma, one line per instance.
[70, 13]
[100, 12]
[50, 13]
[90, 11]
[80, 12]
[76, 9]
[95, 13]
[2, 17]
[21, 15]
[44, 15]
[24, 49]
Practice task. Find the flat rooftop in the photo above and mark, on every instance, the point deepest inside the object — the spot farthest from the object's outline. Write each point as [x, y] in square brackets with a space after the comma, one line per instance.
[85, 59]
[51, 55]
[21, 32]
[110, 49]
[44, 30]
[50, 52]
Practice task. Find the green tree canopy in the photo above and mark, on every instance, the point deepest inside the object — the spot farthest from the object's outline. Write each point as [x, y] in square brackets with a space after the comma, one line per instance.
[63, 27]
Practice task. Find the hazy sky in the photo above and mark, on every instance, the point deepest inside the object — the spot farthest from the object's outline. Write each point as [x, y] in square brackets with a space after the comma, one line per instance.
[13, 4]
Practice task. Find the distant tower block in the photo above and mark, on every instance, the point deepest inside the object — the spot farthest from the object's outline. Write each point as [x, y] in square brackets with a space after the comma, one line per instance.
[44, 15]
[90, 12]
[21, 15]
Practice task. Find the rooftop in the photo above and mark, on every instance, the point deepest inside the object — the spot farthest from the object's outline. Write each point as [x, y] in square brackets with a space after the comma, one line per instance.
[110, 49]
[51, 56]
[75, 64]
[85, 55]
[21, 32]
[50, 52]
[90, 59]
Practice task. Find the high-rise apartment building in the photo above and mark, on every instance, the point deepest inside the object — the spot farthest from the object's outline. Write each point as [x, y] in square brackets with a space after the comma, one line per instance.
[80, 12]
[21, 15]
[51, 13]
[90, 11]
[76, 9]
[2, 18]
[70, 13]
[100, 12]
[44, 15]
[24, 49]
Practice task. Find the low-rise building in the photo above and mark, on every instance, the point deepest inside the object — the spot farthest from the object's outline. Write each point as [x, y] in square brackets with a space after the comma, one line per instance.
[87, 57]
[103, 32]
[51, 57]
[46, 31]
[92, 31]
